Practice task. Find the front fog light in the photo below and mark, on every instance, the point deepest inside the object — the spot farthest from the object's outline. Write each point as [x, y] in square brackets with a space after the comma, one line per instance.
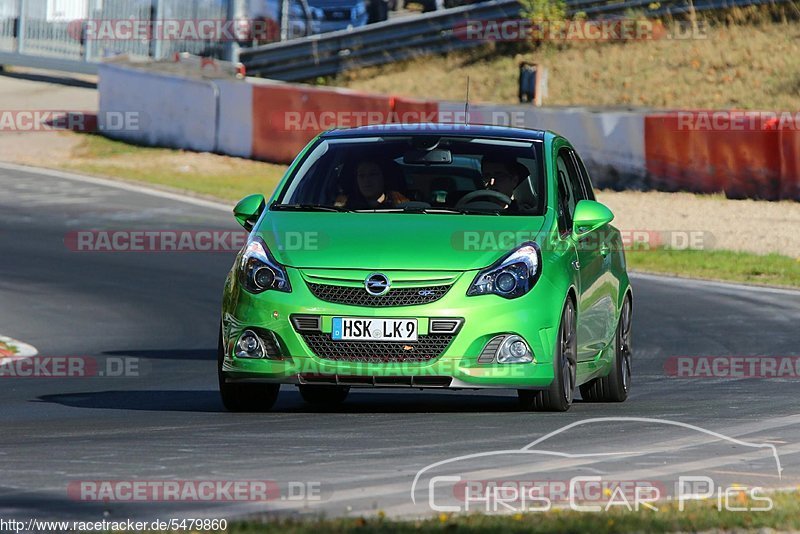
[249, 346]
[513, 349]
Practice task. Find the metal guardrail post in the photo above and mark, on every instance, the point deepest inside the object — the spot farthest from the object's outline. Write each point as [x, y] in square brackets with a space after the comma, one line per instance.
[235, 13]
[88, 49]
[156, 15]
[21, 25]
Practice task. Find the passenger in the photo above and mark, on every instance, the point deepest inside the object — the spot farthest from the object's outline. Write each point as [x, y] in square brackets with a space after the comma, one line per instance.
[372, 190]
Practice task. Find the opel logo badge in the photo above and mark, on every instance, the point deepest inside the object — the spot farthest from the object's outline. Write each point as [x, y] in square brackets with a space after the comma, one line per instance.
[377, 284]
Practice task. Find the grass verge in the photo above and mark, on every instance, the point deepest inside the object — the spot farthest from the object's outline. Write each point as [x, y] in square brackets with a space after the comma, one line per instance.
[742, 64]
[724, 265]
[697, 517]
[212, 175]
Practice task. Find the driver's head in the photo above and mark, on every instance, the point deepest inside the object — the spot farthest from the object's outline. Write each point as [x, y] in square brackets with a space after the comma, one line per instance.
[502, 175]
[369, 177]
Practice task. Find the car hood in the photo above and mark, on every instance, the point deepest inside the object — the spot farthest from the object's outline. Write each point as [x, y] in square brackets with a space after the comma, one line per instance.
[393, 240]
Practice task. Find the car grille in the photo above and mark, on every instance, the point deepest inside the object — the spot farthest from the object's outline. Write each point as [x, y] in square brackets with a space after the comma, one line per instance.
[358, 296]
[425, 349]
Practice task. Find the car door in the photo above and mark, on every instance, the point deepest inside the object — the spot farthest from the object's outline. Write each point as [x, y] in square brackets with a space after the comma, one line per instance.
[589, 264]
[608, 242]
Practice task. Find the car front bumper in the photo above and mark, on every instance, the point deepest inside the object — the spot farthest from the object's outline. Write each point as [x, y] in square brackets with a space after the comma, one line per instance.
[534, 316]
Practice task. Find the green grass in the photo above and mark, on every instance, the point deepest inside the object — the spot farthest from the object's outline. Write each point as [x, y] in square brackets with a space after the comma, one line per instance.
[750, 60]
[771, 269]
[223, 177]
[698, 516]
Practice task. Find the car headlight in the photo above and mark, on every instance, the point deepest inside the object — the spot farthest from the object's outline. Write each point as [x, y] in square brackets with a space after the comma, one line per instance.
[258, 270]
[512, 276]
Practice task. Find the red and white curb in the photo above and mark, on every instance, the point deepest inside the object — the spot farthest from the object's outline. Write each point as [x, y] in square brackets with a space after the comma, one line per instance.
[20, 351]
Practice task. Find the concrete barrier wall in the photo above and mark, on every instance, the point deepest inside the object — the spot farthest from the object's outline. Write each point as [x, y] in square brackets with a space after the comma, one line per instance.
[173, 111]
[272, 121]
[235, 126]
[610, 143]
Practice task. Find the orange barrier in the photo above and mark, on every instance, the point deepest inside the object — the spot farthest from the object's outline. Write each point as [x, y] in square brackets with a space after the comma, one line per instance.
[409, 110]
[790, 164]
[685, 151]
[286, 117]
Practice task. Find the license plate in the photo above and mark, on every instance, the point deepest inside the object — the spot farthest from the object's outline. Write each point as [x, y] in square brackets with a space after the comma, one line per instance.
[371, 329]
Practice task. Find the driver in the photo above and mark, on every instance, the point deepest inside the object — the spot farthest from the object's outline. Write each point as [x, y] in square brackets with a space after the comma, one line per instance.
[502, 175]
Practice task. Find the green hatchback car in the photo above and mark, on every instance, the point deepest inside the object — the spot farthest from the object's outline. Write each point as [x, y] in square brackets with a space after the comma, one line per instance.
[428, 256]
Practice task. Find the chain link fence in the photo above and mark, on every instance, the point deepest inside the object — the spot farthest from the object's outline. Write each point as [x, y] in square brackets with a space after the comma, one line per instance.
[74, 35]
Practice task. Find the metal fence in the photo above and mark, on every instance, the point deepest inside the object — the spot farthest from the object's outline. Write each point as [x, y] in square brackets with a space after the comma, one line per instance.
[73, 35]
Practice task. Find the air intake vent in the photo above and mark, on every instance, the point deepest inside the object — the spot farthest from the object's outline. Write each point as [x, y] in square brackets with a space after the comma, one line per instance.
[445, 326]
[306, 323]
[487, 355]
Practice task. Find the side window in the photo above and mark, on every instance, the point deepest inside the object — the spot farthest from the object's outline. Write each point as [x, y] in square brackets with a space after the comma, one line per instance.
[570, 190]
[587, 183]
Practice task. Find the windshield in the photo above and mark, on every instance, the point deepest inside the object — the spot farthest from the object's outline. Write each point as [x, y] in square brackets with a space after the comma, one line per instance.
[419, 174]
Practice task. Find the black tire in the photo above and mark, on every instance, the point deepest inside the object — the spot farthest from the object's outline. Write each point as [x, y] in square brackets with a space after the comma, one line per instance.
[324, 395]
[558, 397]
[244, 397]
[614, 387]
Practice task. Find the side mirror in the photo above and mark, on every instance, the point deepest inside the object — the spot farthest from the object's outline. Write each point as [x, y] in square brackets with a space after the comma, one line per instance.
[248, 210]
[589, 216]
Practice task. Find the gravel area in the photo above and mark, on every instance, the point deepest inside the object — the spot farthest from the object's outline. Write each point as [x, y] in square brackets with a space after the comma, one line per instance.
[743, 225]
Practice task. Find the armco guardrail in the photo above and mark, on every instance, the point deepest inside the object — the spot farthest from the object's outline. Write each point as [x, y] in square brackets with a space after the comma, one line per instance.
[375, 44]
[432, 33]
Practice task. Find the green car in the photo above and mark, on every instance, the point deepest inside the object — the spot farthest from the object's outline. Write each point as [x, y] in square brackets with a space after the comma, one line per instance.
[428, 256]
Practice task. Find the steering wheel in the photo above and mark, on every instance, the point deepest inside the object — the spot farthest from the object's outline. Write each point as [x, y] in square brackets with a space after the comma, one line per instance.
[480, 193]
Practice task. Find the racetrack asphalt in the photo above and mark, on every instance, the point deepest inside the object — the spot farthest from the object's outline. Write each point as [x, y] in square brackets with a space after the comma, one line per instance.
[161, 310]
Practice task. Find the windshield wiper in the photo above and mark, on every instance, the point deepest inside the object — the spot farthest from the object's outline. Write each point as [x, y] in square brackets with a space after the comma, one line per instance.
[306, 207]
[415, 209]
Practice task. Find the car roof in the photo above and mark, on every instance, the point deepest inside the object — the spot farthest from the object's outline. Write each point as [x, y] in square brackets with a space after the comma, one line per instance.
[441, 129]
